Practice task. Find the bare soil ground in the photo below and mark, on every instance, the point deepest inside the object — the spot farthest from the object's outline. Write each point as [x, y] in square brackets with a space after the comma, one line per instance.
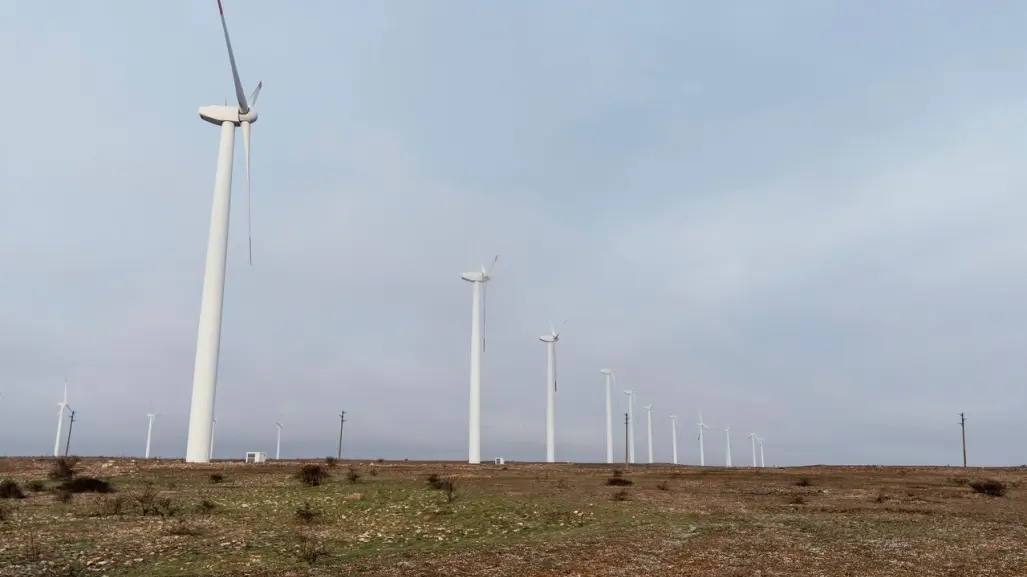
[168, 518]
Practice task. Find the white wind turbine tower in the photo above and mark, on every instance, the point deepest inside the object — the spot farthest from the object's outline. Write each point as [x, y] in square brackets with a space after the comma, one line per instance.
[752, 436]
[609, 415]
[674, 437]
[727, 459]
[149, 429]
[760, 441]
[278, 443]
[631, 424]
[479, 307]
[61, 406]
[208, 338]
[210, 451]
[649, 415]
[702, 454]
[551, 340]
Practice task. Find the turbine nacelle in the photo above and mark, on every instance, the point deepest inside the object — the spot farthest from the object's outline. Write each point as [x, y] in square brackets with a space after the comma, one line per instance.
[476, 276]
[219, 115]
[606, 371]
[549, 338]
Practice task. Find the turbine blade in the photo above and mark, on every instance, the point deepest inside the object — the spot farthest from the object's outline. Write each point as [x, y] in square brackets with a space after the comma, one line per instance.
[255, 94]
[239, 94]
[249, 204]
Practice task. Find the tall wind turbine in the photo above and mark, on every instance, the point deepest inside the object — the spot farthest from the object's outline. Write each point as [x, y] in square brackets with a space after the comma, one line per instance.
[208, 338]
[752, 437]
[702, 454]
[674, 436]
[631, 424]
[609, 415]
[479, 307]
[551, 340]
[727, 459]
[149, 430]
[760, 441]
[278, 443]
[61, 406]
[649, 415]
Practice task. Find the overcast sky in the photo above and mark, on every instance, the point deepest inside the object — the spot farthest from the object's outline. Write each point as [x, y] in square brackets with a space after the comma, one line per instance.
[803, 217]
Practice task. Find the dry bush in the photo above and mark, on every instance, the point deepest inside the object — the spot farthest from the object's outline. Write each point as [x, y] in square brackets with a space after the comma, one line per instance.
[62, 495]
[5, 512]
[622, 495]
[87, 485]
[63, 469]
[36, 486]
[183, 529]
[961, 481]
[312, 475]
[352, 475]
[990, 487]
[803, 482]
[216, 478]
[153, 504]
[10, 489]
[307, 514]
[331, 462]
[206, 507]
[617, 479]
[309, 549]
[798, 500]
[109, 505]
[663, 486]
[434, 481]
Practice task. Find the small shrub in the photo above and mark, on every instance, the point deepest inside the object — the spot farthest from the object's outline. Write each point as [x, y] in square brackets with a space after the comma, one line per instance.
[217, 478]
[803, 482]
[36, 486]
[353, 476]
[63, 469]
[87, 485]
[798, 500]
[448, 486]
[373, 472]
[153, 504]
[307, 514]
[309, 549]
[881, 498]
[961, 481]
[10, 489]
[434, 481]
[990, 487]
[331, 462]
[618, 481]
[663, 486]
[206, 507]
[63, 496]
[183, 529]
[312, 475]
[5, 512]
[380, 461]
[108, 506]
[622, 495]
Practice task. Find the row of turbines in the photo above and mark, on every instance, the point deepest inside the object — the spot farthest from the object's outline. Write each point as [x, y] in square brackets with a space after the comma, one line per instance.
[479, 307]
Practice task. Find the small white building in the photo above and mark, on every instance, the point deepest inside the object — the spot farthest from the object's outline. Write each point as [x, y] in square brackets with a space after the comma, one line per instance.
[500, 461]
[256, 457]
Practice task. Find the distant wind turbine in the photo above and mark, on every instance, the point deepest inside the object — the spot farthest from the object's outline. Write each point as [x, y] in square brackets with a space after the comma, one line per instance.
[649, 420]
[631, 425]
[61, 406]
[479, 308]
[208, 338]
[727, 459]
[609, 415]
[674, 436]
[551, 340]
[149, 429]
[702, 454]
[760, 441]
[278, 443]
[752, 437]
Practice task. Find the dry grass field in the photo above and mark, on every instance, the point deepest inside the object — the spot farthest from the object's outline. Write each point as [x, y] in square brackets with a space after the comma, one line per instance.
[166, 518]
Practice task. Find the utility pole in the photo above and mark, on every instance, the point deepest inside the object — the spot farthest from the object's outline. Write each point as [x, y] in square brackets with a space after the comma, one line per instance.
[627, 461]
[962, 425]
[342, 421]
[67, 444]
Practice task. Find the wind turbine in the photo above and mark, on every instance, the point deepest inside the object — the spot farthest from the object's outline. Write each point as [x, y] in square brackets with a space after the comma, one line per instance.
[550, 341]
[60, 417]
[631, 425]
[609, 415]
[278, 443]
[649, 414]
[479, 307]
[149, 429]
[208, 338]
[752, 437]
[727, 459]
[702, 454]
[674, 436]
[760, 441]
